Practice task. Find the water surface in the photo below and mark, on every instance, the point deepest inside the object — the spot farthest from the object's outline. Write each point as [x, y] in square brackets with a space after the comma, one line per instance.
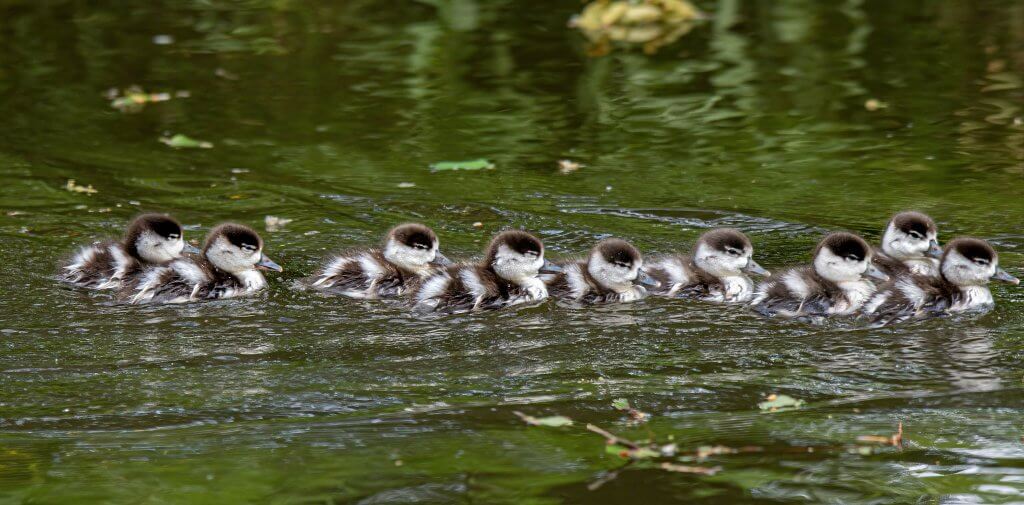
[325, 113]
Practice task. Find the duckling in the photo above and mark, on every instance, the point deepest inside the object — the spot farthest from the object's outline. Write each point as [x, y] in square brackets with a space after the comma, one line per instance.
[715, 270]
[151, 239]
[910, 246]
[410, 254]
[833, 285]
[612, 273]
[228, 268]
[508, 275]
[967, 266]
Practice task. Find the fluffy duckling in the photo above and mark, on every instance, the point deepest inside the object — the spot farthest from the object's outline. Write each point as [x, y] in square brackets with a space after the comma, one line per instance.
[714, 271]
[508, 275]
[612, 273]
[833, 285]
[409, 255]
[151, 239]
[229, 267]
[910, 246]
[967, 266]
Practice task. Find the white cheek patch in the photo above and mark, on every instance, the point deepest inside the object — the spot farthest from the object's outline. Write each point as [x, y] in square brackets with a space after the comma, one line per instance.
[964, 272]
[837, 269]
[409, 258]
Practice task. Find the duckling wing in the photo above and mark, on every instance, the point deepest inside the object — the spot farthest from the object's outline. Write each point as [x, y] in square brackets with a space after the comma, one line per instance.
[99, 266]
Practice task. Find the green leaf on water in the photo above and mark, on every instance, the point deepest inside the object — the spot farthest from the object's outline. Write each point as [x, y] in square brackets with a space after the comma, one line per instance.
[621, 404]
[180, 141]
[477, 164]
[779, 402]
[551, 421]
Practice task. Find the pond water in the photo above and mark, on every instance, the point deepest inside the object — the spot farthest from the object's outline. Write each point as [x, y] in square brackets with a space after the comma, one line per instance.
[326, 112]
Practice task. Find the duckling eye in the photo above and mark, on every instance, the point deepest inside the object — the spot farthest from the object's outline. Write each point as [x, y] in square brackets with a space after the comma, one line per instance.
[916, 235]
[421, 246]
[732, 252]
[852, 258]
[173, 236]
[981, 261]
[621, 264]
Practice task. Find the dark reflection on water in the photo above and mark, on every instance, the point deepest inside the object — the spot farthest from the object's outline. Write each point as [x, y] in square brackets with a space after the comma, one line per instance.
[320, 113]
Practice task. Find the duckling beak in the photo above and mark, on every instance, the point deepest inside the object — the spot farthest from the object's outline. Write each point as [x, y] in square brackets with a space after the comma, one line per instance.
[441, 260]
[268, 264]
[646, 280]
[190, 249]
[934, 250]
[875, 273]
[756, 269]
[1003, 275]
[550, 268]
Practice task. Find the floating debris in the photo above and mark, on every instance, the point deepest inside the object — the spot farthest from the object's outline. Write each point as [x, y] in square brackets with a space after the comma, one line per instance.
[622, 405]
[478, 224]
[224, 74]
[76, 188]
[552, 421]
[274, 223]
[477, 164]
[569, 166]
[181, 141]
[133, 98]
[407, 185]
[163, 40]
[780, 402]
[873, 104]
[651, 24]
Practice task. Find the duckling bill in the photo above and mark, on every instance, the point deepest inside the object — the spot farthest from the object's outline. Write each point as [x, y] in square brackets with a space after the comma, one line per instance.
[835, 284]
[716, 270]
[410, 254]
[150, 239]
[611, 273]
[508, 275]
[229, 267]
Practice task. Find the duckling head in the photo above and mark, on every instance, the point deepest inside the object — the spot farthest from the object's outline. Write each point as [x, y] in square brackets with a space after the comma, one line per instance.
[413, 247]
[237, 249]
[156, 238]
[617, 266]
[911, 235]
[517, 256]
[972, 262]
[845, 257]
[726, 252]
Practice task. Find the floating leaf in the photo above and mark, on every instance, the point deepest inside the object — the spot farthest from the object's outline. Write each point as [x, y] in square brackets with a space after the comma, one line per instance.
[621, 404]
[180, 141]
[778, 402]
[478, 164]
[76, 188]
[630, 453]
[569, 166]
[551, 421]
[274, 223]
[700, 470]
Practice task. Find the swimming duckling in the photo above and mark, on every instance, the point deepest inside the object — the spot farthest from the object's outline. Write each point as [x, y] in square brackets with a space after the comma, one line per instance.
[833, 285]
[508, 275]
[409, 255]
[714, 271]
[612, 273]
[910, 246]
[967, 266]
[151, 239]
[228, 268]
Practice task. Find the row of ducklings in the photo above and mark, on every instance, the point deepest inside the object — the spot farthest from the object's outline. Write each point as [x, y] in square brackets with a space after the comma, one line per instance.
[909, 275]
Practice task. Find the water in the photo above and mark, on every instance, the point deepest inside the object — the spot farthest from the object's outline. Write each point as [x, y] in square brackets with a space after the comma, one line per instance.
[319, 112]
